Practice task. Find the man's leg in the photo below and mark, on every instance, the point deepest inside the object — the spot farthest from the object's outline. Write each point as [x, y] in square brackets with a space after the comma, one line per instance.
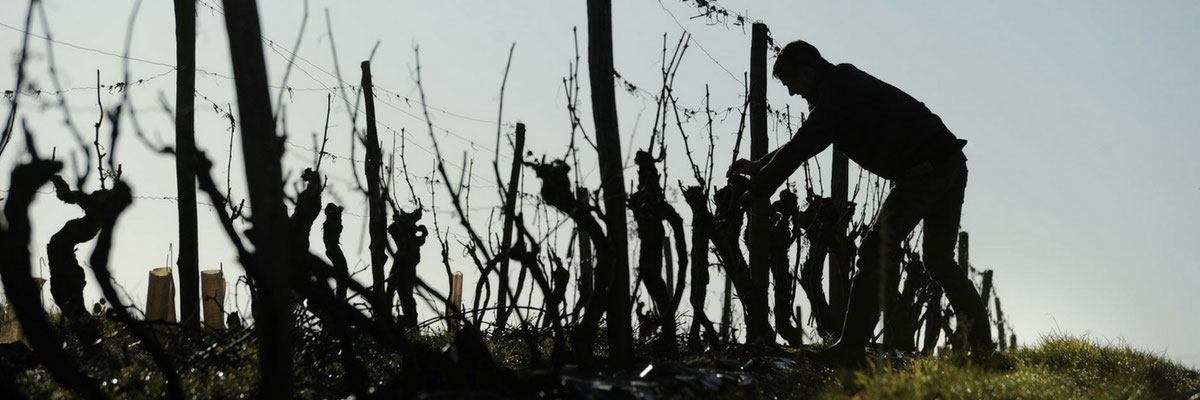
[879, 261]
[941, 233]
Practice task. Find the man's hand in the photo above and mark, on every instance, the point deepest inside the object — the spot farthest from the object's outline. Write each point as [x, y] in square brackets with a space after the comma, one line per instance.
[746, 199]
[739, 181]
[744, 166]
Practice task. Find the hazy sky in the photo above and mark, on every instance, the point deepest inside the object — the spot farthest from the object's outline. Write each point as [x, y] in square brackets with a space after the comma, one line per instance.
[1080, 116]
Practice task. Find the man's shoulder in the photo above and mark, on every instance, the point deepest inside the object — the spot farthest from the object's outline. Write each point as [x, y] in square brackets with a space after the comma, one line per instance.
[845, 83]
[851, 79]
[850, 72]
[845, 67]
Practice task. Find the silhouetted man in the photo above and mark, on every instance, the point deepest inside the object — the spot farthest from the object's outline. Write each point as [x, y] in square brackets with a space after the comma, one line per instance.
[893, 135]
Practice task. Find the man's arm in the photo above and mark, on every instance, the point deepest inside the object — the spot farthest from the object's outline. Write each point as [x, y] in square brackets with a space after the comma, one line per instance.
[812, 138]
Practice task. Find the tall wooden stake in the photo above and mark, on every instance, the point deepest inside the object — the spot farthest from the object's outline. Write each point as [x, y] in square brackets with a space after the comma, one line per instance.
[964, 253]
[758, 228]
[185, 150]
[377, 214]
[454, 305]
[261, 153]
[1000, 326]
[727, 309]
[608, 138]
[586, 275]
[841, 259]
[964, 261]
[668, 263]
[985, 289]
[510, 209]
[933, 319]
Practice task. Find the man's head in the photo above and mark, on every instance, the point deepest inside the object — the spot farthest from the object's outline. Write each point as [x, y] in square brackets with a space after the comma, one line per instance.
[797, 65]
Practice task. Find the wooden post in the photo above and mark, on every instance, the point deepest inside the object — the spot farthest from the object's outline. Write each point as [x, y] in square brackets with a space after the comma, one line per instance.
[964, 254]
[758, 227]
[585, 276]
[160, 297]
[1000, 325]
[377, 214]
[961, 333]
[185, 154]
[331, 234]
[456, 284]
[702, 228]
[727, 310]
[212, 283]
[669, 264]
[798, 319]
[454, 309]
[612, 179]
[261, 153]
[510, 204]
[933, 319]
[985, 292]
[840, 262]
[839, 186]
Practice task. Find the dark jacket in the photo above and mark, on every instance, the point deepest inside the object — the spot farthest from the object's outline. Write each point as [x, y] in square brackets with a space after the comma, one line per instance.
[881, 128]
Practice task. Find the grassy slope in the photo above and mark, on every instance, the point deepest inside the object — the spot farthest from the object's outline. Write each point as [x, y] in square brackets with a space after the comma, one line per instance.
[1058, 368]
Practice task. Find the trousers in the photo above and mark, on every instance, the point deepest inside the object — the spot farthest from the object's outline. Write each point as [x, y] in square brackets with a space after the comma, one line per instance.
[935, 196]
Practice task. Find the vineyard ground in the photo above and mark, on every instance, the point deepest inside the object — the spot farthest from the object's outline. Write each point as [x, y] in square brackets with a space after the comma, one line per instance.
[225, 365]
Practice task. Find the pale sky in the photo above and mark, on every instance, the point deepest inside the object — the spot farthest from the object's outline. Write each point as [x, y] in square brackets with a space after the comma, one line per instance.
[1080, 116]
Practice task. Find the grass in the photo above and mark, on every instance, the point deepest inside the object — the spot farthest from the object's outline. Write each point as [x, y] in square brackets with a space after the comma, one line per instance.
[1061, 367]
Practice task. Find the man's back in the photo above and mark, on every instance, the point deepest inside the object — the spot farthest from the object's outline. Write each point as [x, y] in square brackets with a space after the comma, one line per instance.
[877, 125]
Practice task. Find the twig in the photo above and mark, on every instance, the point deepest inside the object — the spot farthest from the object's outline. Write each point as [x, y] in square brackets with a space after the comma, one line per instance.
[96, 142]
[708, 169]
[686, 147]
[12, 112]
[351, 112]
[404, 167]
[291, 61]
[500, 113]
[325, 136]
[454, 196]
[236, 212]
[62, 100]
[737, 144]
[123, 87]
[571, 87]
[668, 69]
